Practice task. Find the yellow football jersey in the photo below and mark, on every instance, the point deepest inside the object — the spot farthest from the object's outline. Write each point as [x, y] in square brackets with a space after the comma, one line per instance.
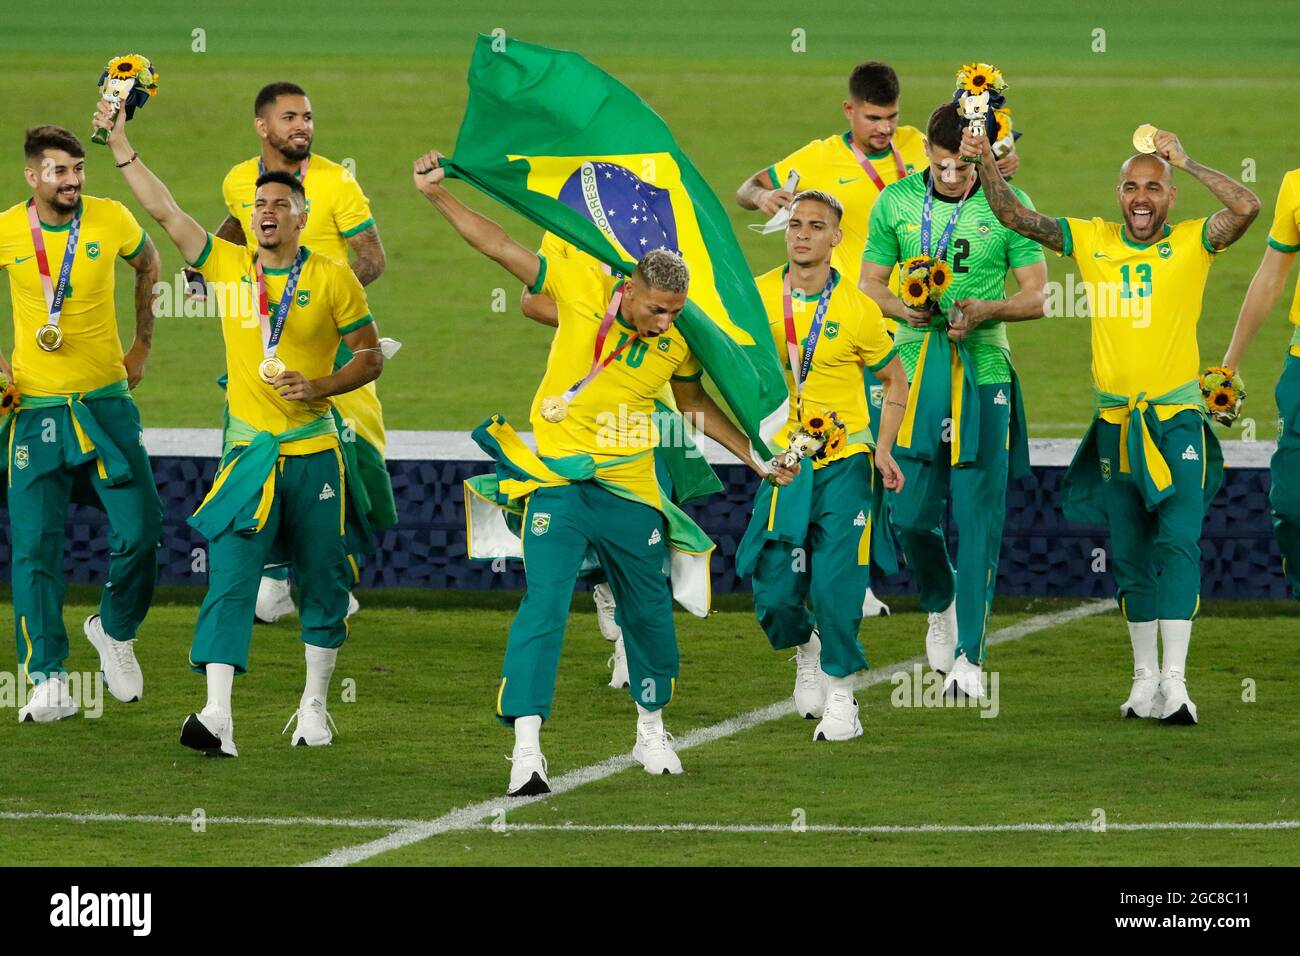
[337, 209]
[328, 304]
[830, 165]
[853, 337]
[1144, 300]
[1284, 234]
[91, 354]
[611, 417]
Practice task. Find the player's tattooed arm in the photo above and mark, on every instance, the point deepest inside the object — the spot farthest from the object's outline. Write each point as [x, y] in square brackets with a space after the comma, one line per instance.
[1240, 205]
[1006, 205]
[370, 259]
[480, 232]
[147, 266]
[759, 192]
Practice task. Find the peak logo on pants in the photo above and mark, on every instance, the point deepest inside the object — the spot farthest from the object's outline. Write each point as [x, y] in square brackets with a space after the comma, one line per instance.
[655, 538]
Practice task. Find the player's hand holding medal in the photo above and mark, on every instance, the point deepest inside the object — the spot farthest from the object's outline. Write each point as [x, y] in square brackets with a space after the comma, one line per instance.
[128, 82]
[272, 366]
[979, 92]
[1224, 393]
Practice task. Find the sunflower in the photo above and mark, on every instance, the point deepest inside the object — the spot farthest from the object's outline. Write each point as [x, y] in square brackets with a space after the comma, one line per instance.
[1222, 399]
[127, 67]
[915, 293]
[940, 279]
[834, 444]
[916, 264]
[8, 399]
[814, 423]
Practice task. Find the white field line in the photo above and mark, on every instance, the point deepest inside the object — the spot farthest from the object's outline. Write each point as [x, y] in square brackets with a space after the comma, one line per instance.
[1078, 826]
[188, 819]
[467, 817]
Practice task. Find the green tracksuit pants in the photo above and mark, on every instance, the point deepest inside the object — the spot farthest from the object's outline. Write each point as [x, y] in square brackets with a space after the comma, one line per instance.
[978, 493]
[306, 522]
[631, 540]
[40, 489]
[1156, 555]
[1284, 496]
[831, 571]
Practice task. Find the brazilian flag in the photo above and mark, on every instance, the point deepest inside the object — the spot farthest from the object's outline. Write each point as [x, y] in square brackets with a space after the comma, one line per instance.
[569, 147]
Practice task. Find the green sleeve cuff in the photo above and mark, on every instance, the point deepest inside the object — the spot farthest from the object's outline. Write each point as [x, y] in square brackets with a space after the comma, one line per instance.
[873, 369]
[360, 323]
[1205, 239]
[144, 237]
[689, 378]
[1067, 237]
[1282, 247]
[776, 183]
[349, 233]
[203, 256]
[540, 282]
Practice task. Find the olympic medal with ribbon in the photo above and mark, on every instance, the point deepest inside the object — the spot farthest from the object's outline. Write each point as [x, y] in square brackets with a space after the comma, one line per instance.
[555, 408]
[927, 210]
[801, 365]
[869, 169]
[272, 366]
[49, 336]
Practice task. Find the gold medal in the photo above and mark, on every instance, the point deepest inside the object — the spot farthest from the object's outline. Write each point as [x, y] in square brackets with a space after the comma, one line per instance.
[1144, 138]
[270, 368]
[555, 408]
[49, 336]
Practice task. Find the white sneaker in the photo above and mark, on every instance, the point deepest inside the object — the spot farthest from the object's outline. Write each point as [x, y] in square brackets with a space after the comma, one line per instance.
[273, 600]
[116, 662]
[1143, 698]
[212, 731]
[654, 749]
[966, 678]
[1178, 707]
[618, 661]
[840, 721]
[353, 605]
[941, 639]
[49, 701]
[872, 606]
[809, 681]
[314, 723]
[528, 773]
[604, 598]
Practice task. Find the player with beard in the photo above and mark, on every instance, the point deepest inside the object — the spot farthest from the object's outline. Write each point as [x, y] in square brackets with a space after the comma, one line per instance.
[281, 480]
[77, 433]
[1149, 464]
[339, 225]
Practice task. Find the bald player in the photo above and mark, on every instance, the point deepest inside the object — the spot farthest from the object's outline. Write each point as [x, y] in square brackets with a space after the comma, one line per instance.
[1149, 463]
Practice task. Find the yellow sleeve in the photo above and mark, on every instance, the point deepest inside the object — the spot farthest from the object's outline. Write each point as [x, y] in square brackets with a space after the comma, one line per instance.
[808, 162]
[1284, 234]
[1077, 236]
[133, 236]
[352, 211]
[561, 277]
[690, 369]
[222, 261]
[228, 197]
[351, 310]
[870, 339]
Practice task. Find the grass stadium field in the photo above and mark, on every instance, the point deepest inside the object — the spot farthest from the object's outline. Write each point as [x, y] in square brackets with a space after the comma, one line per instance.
[725, 79]
[417, 773]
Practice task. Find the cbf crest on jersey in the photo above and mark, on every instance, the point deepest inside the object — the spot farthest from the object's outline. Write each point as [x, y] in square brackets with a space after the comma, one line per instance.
[92, 250]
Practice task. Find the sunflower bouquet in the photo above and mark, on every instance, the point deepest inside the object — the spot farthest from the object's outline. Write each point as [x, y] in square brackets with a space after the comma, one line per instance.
[979, 93]
[8, 395]
[1224, 392]
[922, 282]
[128, 81]
[819, 435]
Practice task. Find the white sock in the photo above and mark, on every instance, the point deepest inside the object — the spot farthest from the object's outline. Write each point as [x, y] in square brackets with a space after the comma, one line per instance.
[812, 647]
[1175, 636]
[320, 668]
[652, 720]
[835, 684]
[528, 732]
[221, 678]
[1145, 655]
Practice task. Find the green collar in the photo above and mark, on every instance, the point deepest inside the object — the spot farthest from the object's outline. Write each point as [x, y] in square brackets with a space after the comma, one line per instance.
[67, 225]
[802, 297]
[848, 141]
[284, 272]
[1142, 245]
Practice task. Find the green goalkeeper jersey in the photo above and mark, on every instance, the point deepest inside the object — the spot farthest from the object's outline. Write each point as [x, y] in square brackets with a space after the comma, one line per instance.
[981, 252]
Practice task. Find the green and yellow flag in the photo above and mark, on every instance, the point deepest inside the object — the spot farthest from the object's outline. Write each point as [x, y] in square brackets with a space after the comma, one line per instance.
[566, 145]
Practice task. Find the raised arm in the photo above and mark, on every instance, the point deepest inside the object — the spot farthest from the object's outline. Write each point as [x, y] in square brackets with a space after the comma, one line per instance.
[1240, 205]
[1006, 205]
[1269, 281]
[189, 237]
[370, 260]
[759, 192]
[147, 265]
[540, 308]
[479, 231]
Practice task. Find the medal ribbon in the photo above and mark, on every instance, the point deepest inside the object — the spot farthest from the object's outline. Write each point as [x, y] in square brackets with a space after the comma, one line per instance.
[54, 294]
[800, 366]
[870, 170]
[271, 332]
[302, 168]
[597, 365]
[926, 211]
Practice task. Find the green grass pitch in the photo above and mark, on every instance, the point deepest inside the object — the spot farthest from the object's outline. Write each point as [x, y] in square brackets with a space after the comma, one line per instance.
[420, 740]
[389, 85]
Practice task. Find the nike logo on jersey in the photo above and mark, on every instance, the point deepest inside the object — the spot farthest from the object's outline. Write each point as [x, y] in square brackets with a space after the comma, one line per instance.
[1100, 255]
[845, 182]
[655, 537]
[1190, 454]
[245, 205]
[326, 492]
[1000, 398]
[21, 259]
[912, 227]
